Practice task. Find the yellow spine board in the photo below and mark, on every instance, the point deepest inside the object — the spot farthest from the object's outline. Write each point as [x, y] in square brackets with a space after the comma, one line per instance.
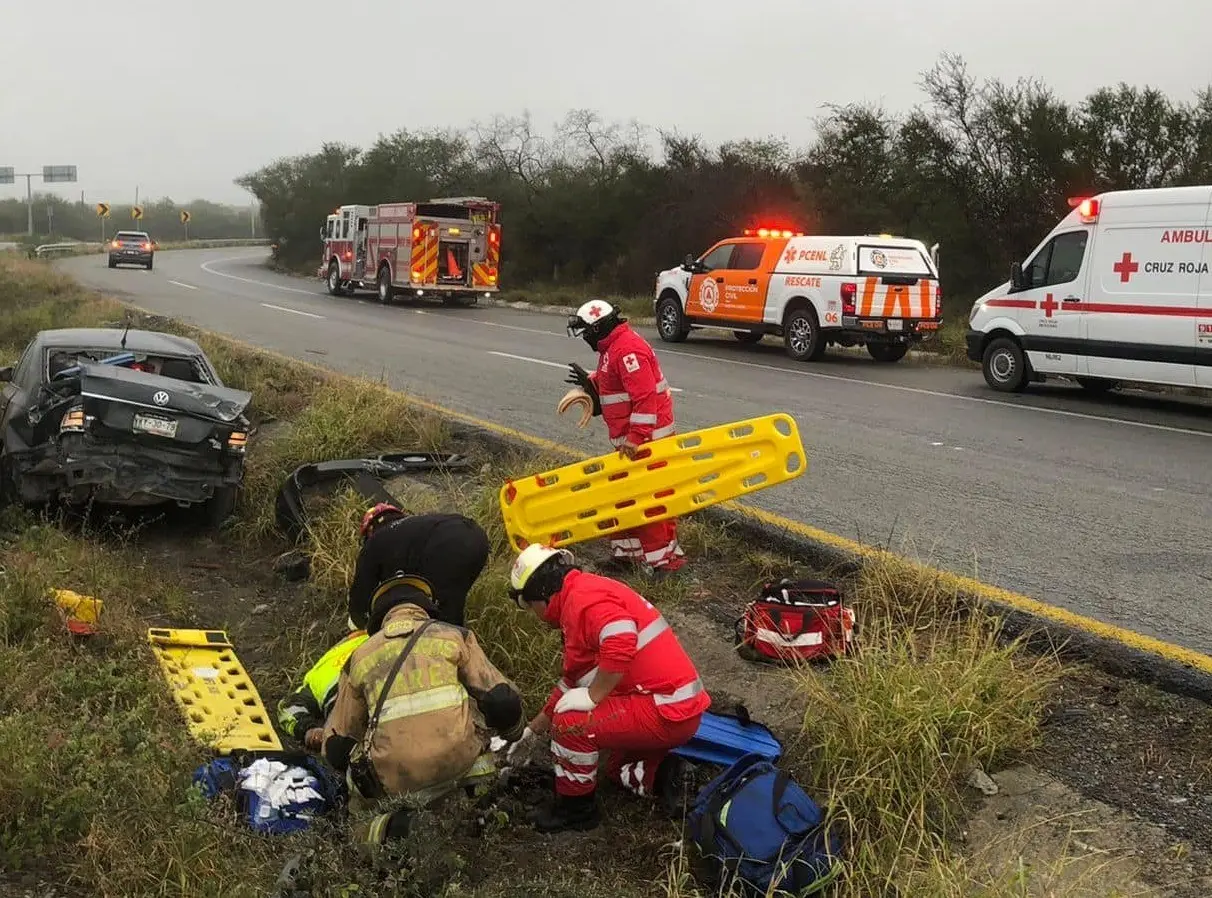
[221, 705]
[675, 476]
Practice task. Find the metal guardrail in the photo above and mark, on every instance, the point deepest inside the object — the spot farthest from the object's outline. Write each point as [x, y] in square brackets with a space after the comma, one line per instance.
[58, 249]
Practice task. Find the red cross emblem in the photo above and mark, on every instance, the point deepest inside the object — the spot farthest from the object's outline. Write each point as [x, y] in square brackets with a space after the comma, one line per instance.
[595, 311]
[1049, 305]
[1125, 268]
[789, 256]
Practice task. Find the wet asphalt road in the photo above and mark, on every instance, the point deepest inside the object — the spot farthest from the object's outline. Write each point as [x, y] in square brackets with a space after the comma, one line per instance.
[1096, 504]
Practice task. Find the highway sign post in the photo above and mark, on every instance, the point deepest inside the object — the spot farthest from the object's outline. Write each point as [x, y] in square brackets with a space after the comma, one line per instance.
[51, 174]
[103, 213]
[185, 221]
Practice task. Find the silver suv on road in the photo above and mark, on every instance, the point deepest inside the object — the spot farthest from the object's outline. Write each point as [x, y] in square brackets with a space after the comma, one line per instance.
[132, 248]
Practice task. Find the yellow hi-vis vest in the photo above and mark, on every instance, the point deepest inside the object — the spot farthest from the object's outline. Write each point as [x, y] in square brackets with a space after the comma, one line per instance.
[315, 698]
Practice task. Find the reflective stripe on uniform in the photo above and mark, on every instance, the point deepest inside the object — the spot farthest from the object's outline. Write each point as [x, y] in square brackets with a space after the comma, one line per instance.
[614, 398]
[617, 628]
[681, 694]
[645, 636]
[580, 758]
[435, 699]
[662, 432]
[639, 418]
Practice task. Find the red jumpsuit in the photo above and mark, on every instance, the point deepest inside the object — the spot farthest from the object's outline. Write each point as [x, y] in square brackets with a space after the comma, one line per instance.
[655, 707]
[637, 406]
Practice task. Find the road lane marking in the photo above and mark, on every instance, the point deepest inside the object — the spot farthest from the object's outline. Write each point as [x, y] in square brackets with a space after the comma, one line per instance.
[920, 391]
[186, 286]
[526, 358]
[292, 311]
[205, 266]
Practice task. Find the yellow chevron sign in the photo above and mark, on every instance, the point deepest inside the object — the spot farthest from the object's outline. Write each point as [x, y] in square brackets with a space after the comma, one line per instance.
[136, 212]
[103, 210]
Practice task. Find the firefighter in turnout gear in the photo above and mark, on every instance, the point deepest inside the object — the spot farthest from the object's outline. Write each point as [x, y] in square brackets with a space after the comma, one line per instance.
[628, 687]
[403, 724]
[449, 551]
[633, 398]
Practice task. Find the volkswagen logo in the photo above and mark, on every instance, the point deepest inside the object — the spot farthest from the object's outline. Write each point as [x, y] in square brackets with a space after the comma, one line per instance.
[160, 398]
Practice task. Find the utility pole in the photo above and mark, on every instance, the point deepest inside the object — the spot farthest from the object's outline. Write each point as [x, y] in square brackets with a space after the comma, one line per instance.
[51, 174]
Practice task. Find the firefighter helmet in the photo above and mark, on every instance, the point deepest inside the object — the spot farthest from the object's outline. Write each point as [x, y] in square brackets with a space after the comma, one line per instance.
[530, 561]
[593, 321]
[376, 515]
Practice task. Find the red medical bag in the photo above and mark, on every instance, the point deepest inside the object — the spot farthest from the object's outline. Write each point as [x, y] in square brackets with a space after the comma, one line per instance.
[800, 620]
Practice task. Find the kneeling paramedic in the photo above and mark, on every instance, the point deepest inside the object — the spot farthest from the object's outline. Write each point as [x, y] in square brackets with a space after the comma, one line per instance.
[402, 725]
[302, 713]
[631, 394]
[627, 686]
[449, 551]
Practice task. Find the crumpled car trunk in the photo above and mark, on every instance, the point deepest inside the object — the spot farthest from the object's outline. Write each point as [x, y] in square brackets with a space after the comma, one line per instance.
[146, 439]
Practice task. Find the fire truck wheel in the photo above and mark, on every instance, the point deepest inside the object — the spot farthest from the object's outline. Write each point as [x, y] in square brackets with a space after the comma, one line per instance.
[384, 285]
[671, 323]
[1005, 366]
[802, 335]
[887, 352]
[334, 280]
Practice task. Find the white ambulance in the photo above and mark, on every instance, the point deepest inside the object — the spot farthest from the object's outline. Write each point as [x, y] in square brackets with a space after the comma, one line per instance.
[1120, 290]
[881, 292]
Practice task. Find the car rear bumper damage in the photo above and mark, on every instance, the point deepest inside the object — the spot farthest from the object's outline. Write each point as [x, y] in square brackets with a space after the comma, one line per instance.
[79, 471]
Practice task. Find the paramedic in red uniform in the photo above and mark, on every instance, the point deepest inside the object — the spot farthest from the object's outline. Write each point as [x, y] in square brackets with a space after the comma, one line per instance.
[634, 399]
[628, 687]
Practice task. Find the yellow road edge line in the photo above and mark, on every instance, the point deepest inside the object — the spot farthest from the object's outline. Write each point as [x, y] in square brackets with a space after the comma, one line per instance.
[961, 583]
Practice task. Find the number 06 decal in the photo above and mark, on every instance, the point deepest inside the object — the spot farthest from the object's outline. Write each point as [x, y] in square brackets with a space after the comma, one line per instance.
[831, 317]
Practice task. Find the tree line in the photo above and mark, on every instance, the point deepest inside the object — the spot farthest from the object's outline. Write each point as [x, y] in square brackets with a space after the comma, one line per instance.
[985, 169]
[56, 218]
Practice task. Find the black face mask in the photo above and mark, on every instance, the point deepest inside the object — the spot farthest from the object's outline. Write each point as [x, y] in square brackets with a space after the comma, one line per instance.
[591, 339]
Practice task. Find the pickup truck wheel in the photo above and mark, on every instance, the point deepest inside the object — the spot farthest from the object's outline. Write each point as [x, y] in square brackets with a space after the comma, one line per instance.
[748, 336]
[149, 264]
[671, 322]
[334, 280]
[887, 352]
[383, 283]
[1005, 366]
[802, 335]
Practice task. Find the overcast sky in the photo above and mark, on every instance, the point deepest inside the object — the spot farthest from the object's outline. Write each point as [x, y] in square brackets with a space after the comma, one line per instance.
[179, 97]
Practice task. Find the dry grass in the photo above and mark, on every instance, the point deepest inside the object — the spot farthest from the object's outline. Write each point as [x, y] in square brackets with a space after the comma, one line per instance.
[888, 734]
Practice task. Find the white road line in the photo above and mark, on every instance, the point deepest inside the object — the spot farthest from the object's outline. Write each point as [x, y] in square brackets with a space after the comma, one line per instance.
[292, 311]
[205, 266]
[186, 286]
[920, 391]
[526, 358]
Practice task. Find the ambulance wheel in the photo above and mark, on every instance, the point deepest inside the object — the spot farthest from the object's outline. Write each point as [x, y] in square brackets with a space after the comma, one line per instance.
[334, 280]
[671, 323]
[802, 335]
[887, 352]
[1005, 366]
[1097, 384]
[748, 336]
[383, 284]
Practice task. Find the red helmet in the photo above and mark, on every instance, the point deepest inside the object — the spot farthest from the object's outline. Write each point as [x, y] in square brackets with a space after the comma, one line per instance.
[375, 516]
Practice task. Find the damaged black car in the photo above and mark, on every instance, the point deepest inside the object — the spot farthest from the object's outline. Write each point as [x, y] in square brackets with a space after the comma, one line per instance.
[121, 417]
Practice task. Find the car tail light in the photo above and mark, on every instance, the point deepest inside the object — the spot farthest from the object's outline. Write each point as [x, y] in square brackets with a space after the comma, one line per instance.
[146, 245]
[848, 293]
[116, 244]
[938, 301]
[238, 441]
[73, 421]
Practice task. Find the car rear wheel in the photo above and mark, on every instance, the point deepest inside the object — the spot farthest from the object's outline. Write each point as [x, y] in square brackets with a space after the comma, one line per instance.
[748, 336]
[220, 506]
[802, 335]
[1005, 366]
[671, 322]
[887, 352]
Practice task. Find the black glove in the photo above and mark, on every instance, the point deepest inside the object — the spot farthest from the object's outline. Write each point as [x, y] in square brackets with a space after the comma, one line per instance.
[579, 376]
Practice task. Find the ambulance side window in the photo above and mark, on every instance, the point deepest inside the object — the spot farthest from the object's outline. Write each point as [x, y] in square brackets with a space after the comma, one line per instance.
[719, 257]
[748, 256]
[1059, 262]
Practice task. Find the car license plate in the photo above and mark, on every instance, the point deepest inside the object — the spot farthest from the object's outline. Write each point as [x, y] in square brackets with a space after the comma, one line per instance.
[895, 324]
[160, 427]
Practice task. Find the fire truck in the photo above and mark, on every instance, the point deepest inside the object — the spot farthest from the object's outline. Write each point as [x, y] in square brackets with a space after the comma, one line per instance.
[448, 248]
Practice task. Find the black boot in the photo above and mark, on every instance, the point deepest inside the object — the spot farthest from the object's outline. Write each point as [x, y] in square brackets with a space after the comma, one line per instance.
[669, 784]
[576, 813]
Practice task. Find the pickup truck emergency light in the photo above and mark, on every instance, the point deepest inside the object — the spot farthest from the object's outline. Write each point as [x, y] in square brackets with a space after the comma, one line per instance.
[849, 291]
[1087, 208]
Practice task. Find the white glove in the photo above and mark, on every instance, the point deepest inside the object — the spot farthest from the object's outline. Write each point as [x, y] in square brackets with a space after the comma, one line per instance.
[575, 700]
[527, 735]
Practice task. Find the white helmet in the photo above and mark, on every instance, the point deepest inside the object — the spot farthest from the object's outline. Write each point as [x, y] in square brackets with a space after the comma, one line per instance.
[593, 320]
[528, 561]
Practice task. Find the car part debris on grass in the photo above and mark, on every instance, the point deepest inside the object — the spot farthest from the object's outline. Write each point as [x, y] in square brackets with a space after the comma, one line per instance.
[81, 614]
[366, 475]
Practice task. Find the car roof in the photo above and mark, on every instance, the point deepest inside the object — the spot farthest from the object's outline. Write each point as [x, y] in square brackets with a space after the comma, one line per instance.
[155, 342]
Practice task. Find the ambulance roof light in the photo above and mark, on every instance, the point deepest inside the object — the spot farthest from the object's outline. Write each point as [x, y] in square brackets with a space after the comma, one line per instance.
[771, 232]
[1087, 207]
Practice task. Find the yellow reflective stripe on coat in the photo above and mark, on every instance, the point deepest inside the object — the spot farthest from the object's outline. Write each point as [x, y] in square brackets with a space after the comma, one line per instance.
[438, 699]
[324, 674]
